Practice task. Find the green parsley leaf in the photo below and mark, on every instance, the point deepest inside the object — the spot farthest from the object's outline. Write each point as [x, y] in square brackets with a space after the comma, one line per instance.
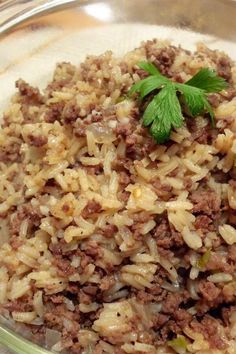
[150, 112]
[207, 80]
[147, 85]
[196, 100]
[167, 113]
[164, 110]
[149, 68]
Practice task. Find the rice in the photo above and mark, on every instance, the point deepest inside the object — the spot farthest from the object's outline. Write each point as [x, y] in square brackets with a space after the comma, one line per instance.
[109, 241]
[228, 233]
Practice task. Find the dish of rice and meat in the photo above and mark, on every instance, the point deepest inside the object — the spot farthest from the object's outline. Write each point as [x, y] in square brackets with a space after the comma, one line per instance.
[110, 241]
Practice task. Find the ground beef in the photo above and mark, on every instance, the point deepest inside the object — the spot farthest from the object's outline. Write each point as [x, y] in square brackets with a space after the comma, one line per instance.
[64, 268]
[148, 146]
[201, 134]
[54, 112]
[124, 67]
[224, 65]
[218, 262]
[25, 211]
[159, 320]
[22, 304]
[15, 242]
[232, 253]
[37, 141]
[93, 170]
[208, 327]
[228, 293]
[73, 288]
[94, 250]
[10, 153]
[57, 299]
[123, 130]
[232, 217]
[205, 201]
[106, 283]
[123, 196]
[228, 94]
[162, 190]
[141, 217]
[70, 113]
[171, 303]
[84, 298]
[182, 318]
[130, 141]
[55, 317]
[90, 290]
[121, 164]
[204, 223]
[163, 58]
[134, 151]
[187, 183]
[157, 290]
[56, 85]
[109, 230]
[215, 99]
[208, 290]
[85, 260]
[124, 179]
[57, 248]
[96, 116]
[227, 313]
[91, 208]
[162, 229]
[141, 73]
[166, 236]
[31, 94]
[144, 296]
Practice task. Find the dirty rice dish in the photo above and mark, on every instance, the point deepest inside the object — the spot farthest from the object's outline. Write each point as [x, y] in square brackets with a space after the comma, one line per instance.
[111, 243]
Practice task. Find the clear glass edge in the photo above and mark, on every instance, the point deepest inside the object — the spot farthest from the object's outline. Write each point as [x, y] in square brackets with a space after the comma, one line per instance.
[17, 12]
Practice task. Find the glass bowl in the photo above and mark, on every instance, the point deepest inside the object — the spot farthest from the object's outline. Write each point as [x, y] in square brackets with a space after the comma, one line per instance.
[37, 34]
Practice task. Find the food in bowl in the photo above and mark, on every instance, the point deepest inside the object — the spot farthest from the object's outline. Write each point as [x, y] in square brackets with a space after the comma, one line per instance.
[116, 238]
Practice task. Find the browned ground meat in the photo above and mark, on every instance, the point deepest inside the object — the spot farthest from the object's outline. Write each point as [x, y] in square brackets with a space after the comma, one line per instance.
[207, 202]
[70, 113]
[232, 253]
[166, 236]
[204, 223]
[25, 211]
[64, 266]
[22, 304]
[218, 262]
[163, 58]
[54, 112]
[91, 207]
[10, 153]
[31, 94]
[171, 303]
[37, 141]
[109, 230]
[208, 290]
[224, 68]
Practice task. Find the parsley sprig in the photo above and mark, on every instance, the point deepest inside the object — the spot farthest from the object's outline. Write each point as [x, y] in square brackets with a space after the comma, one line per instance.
[164, 112]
